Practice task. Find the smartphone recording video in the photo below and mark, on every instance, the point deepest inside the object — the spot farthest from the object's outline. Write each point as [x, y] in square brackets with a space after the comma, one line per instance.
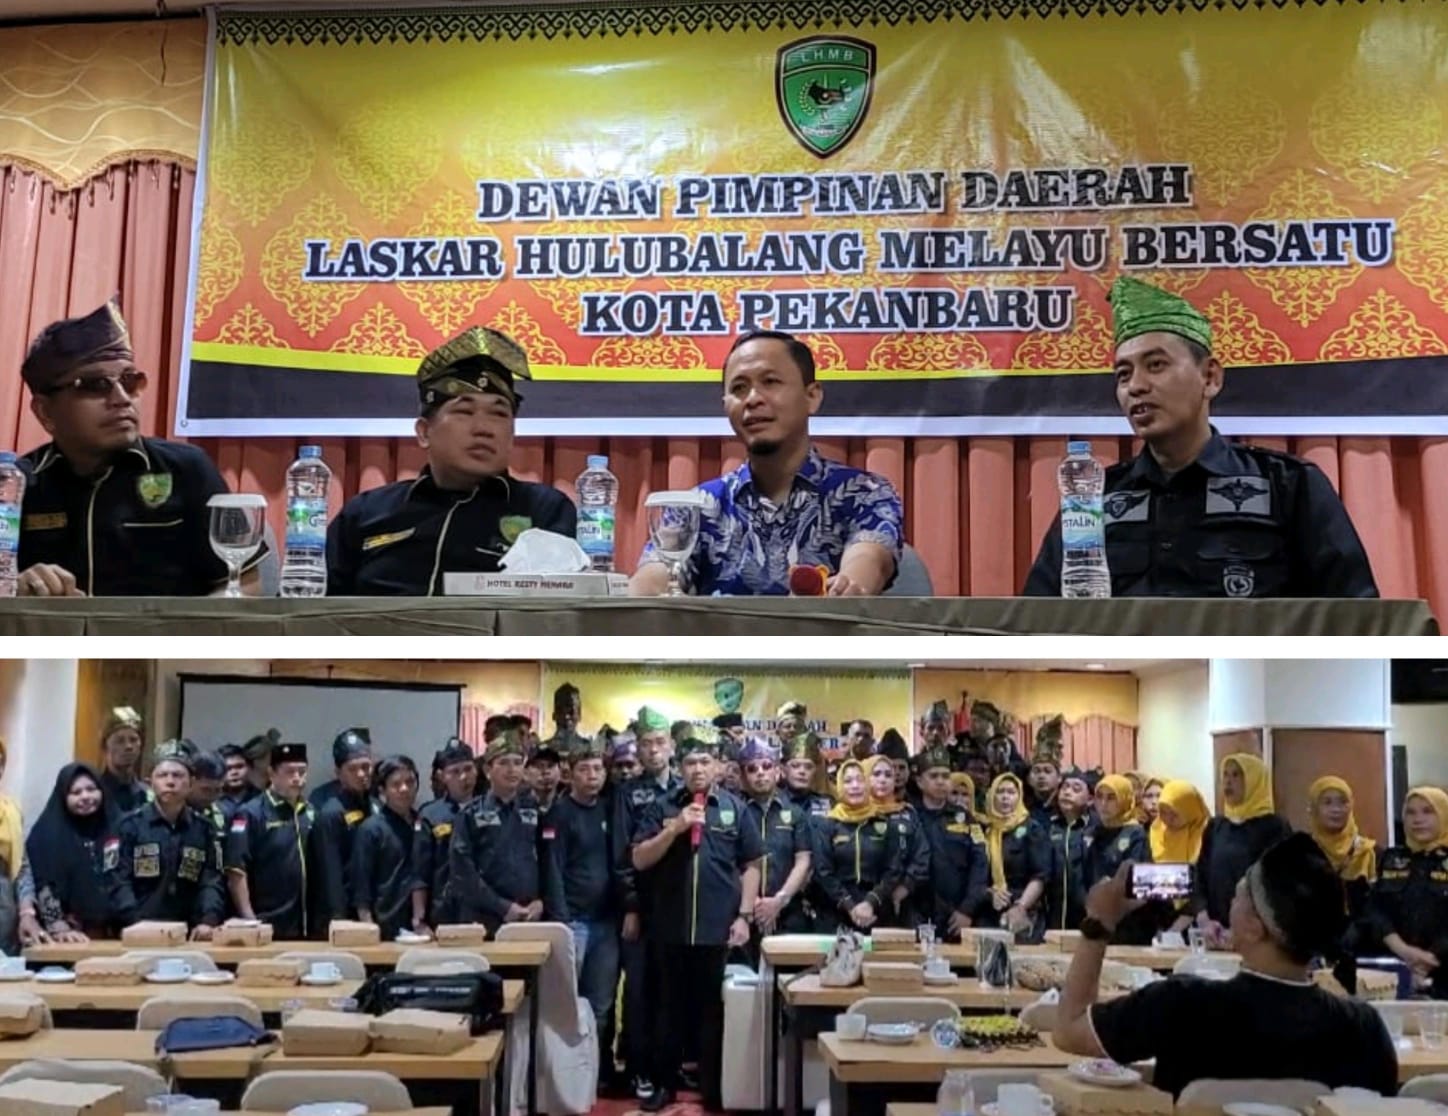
[1160, 881]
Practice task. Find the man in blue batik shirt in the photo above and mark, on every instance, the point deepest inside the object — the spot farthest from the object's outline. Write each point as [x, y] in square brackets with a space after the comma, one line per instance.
[787, 506]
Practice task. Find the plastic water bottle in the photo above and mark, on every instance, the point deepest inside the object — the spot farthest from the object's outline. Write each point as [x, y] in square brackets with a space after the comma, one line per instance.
[597, 499]
[1083, 524]
[12, 496]
[956, 1097]
[304, 571]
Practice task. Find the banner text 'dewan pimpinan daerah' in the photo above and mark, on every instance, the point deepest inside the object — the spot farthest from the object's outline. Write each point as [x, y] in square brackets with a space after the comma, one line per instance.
[940, 233]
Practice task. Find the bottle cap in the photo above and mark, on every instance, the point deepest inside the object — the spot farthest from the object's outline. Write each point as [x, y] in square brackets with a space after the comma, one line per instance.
[1078, 449]
[310, 451]
[8, 458]
[598, 461]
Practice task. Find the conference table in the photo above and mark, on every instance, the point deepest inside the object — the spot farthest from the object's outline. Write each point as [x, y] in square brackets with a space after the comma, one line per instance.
[866, 1076]
[709, 616]
[520, 959]
[127, 999]
[803, 1013]
[453, 1074]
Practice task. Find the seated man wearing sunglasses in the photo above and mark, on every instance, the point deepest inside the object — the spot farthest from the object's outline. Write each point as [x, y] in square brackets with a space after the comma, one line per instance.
[109, 513]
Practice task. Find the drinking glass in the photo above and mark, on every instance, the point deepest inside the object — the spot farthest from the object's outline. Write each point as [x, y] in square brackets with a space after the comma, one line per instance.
[926, 933]
[1394, 1022]
[1432, 1025]
[166, 1102]
[290, 1008]
[674, 519]
[1196, 940]
[238, 521]
[343, 1004]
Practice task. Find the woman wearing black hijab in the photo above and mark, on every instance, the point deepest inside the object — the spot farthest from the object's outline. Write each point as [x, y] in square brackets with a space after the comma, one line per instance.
[66, 848]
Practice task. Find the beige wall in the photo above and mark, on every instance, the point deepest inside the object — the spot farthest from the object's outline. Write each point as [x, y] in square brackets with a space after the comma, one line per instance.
[1423, 730]
[1173, 740]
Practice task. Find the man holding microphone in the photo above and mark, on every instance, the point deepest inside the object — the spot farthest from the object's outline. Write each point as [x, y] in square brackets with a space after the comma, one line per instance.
[702, 859]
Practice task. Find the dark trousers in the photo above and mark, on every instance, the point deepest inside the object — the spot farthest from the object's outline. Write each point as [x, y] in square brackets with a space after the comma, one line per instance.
[639, 1024]
[691, 1003]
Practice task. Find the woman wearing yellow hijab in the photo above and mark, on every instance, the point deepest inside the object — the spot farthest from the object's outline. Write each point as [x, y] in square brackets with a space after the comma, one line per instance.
[1232, 843]
[1116, 839]
[1020, 861]
[962, 792]
[1407, 907]
[860, 859]
[1335, 829]
[18, 917]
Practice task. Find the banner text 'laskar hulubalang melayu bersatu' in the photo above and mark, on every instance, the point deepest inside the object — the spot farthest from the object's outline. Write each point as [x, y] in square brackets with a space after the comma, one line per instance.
[938, 202]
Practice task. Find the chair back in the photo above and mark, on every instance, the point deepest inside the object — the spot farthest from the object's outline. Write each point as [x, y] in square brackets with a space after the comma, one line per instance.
[423, 961]
[283, 1090]
[349, 965]
[140, 1084]
[912, 576]
[1429, 1087]
[925, 1010]
[199, 961]
[161, 1010]
[30, 1000]
[1290, 1092]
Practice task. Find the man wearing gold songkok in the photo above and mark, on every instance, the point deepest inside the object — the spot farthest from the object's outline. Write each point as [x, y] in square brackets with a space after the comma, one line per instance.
[464, 511]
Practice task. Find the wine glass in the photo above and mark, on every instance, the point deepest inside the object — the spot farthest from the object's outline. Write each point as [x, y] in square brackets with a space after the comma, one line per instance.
[237, 523]
[674, 519]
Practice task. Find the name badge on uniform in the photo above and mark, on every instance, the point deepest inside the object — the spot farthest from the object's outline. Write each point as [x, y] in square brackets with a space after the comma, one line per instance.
[352, 817]
[52, 522]
[376, 542]
[841, 838]
[442, 830]
[1127, 507]
[957, 827]
[191, 862]
[146, 862]
[1247, 495]
[275, 825]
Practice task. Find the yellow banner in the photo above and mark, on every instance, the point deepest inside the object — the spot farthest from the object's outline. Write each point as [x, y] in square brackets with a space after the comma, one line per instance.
[937, 201]
[614, 694]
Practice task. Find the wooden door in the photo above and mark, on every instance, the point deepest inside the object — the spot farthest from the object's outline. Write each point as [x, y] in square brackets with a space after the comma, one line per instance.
[1358, 755]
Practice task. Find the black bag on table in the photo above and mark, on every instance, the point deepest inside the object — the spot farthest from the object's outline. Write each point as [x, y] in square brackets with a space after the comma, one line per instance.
[479, 996]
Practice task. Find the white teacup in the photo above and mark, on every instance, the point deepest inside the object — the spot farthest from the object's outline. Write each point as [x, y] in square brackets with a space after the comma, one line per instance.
[851, 1026]
[12, 966]
[325, 970]
[1023, 1100]
[937, 967]
[173, 968]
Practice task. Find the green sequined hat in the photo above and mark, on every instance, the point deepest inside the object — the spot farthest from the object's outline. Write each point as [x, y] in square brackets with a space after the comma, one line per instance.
[804, 746]
[1138, 308]
[509, 742]
[699, 740]
[938, 756]
[651, 720]
[477, 360]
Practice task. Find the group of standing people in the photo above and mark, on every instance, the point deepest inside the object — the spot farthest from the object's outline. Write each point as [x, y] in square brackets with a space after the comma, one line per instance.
[671, 846]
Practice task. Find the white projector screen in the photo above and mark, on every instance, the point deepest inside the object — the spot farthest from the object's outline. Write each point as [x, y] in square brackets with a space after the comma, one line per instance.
[408, 718]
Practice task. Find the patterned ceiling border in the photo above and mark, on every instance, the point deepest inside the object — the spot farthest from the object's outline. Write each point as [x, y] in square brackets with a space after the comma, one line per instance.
[587, 19]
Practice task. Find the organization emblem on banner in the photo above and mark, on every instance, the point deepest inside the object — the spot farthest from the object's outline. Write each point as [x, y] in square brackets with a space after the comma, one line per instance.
[729, 694]
[823, 85]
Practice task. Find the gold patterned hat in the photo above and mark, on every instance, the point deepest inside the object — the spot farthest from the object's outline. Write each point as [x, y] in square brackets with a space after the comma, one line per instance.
[1138, 308]
[122, 716]
[510, 742]
[477, 360]
[64, 346]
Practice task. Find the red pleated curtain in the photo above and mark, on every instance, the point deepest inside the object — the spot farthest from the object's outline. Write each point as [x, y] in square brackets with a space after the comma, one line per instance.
[975, 507]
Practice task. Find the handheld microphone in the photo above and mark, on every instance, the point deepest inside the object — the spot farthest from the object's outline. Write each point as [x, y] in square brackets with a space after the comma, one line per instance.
[696, 831]
[808, 581]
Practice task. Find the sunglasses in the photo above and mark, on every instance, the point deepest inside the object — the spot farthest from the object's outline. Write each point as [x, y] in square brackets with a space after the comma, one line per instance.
[100, 387]
[758, 768]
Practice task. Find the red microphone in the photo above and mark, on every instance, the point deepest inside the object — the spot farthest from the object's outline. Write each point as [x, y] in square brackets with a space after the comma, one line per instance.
[696, 831]
[808, 581]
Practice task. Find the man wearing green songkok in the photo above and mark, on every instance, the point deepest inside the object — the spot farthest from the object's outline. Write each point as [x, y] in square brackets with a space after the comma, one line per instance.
[1193, 515]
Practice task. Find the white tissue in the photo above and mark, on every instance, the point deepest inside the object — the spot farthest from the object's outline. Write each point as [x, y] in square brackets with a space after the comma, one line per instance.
[542, 552]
